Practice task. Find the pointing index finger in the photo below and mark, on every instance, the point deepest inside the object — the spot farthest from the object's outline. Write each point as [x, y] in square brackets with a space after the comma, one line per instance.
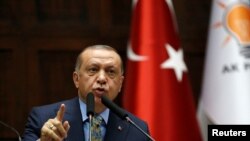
[60, 112]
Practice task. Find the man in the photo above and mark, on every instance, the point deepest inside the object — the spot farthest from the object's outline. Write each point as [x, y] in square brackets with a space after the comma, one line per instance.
[98, 70]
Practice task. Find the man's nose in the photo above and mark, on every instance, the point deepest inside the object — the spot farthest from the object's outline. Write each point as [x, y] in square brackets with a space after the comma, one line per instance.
[101, 78]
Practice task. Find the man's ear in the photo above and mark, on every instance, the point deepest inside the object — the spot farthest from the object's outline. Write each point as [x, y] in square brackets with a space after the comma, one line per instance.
[76, 79]
[121, 82]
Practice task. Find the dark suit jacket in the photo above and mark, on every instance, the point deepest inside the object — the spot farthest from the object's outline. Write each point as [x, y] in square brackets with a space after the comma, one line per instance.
[39, 115]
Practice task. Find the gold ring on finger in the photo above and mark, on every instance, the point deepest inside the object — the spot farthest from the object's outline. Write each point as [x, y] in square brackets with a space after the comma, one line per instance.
[51, 126]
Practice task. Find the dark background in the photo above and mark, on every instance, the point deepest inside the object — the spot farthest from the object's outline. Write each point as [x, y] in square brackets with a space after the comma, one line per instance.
[40, 39]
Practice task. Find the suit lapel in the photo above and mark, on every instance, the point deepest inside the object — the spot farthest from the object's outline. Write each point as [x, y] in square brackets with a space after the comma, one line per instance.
[73, 115]
[117, 128]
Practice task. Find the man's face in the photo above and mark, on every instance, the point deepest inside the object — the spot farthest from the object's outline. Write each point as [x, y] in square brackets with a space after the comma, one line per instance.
[101, 74]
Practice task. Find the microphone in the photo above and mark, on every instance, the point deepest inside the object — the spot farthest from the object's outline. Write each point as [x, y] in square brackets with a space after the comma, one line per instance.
[122, 114]
[90, 104]
[90, 108]
[112, 106]
[13, 129]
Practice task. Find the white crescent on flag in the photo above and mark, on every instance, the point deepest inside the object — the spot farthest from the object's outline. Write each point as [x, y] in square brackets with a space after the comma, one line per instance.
[134, 57]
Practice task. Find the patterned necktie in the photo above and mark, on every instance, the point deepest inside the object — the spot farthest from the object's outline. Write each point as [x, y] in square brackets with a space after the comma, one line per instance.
[96, 128]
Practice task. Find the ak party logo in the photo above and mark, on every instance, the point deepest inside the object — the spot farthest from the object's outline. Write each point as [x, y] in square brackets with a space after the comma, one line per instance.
[237, 24]
[236, 21]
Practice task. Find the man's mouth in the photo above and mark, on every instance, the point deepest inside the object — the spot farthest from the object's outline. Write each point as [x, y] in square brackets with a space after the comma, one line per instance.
[99, 92]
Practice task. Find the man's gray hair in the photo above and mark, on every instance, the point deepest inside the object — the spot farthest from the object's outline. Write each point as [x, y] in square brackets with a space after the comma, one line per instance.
[105, 47]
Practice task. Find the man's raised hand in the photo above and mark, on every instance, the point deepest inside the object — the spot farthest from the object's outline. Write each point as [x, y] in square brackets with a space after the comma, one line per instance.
[55, 129]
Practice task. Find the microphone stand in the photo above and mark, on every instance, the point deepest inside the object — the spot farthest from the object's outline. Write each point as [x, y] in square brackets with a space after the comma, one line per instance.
[135, 125]
[90, 108]
[13, 129]
[122, 114]
[90, 124]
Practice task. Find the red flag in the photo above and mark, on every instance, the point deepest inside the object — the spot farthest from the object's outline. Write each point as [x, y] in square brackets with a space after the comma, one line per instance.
[156, 84]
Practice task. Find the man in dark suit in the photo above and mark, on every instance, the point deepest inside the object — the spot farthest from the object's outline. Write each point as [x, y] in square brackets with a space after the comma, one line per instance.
[98, 70]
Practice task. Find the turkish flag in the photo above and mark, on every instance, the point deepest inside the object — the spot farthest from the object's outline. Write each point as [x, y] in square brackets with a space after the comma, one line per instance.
[156, 82]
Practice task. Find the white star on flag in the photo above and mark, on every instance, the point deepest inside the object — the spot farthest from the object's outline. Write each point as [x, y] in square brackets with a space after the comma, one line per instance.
[175, 62]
